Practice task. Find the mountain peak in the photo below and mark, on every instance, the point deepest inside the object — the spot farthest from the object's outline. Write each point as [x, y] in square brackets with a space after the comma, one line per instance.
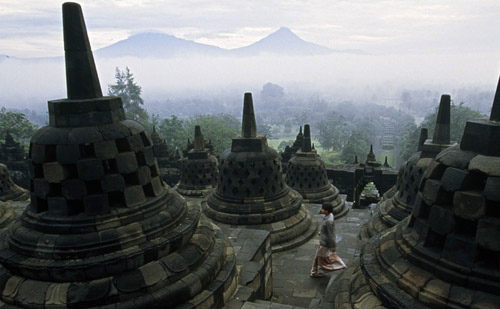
[284, 41]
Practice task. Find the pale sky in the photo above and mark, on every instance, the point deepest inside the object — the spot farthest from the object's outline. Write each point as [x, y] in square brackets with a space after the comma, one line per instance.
[33, 28]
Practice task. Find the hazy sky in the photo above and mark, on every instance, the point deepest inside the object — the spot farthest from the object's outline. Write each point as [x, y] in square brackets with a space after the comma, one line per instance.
[31, 28]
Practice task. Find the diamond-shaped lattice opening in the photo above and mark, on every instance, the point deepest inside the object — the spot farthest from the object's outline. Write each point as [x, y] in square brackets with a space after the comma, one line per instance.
[248, 192]
[235, 191]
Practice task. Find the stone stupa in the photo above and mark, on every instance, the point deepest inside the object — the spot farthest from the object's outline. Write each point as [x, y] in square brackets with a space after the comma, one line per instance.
[390, 211]
[307, 175]
[447, 252]
[199, 169]
[102, 230]
[251, 192]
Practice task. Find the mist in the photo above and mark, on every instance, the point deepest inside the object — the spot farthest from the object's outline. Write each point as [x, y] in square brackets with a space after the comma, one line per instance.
[360, 78]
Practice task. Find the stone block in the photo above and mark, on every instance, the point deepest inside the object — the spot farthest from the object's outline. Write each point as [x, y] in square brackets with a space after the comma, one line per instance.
[441, 220]
[469, 205]
[58, 206]
[488, 233]
[96, 204]
[492, 189]
[38, 153]
[460, 250]
[112, 182]
[488, 165]
[90, 169]
[73, 189]
[155, 187]
[146, 156]
[134, 195]
[420, 208]
[454, 179]
[41, 187]
[126, 162]
[455, 157]
[432, 193]
[68, 154]
[435, 293]
[413, 281]
[435, 170]
[54, 172]
[135, 142]
[106, 149]
[481, 136]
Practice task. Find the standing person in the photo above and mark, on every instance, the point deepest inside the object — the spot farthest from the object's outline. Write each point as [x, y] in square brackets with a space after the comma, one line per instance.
[326, 259]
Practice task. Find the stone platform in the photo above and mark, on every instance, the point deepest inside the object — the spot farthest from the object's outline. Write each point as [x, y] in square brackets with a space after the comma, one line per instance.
[291, 285]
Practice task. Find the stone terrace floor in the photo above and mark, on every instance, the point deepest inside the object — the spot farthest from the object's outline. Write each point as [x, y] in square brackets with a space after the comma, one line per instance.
[292, 285]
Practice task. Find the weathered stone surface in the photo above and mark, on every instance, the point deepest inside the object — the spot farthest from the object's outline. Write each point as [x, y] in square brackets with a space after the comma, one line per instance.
[101, 222]
[485, 164]
[90, 169]
[488, 233]
[469, 205]
[454, 179]
[492, 189]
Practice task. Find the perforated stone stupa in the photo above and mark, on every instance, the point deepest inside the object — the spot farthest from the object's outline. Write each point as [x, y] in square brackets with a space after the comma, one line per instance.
[307, 175]
[102, 230]
[251, 192]
[447, 253]
[199, 169]
[390, 211]
[9, 192]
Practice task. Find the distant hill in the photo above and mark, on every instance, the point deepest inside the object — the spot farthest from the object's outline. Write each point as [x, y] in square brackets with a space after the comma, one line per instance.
[157, 45]
[283, 41]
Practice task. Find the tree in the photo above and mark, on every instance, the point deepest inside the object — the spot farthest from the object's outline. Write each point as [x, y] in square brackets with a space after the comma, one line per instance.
[130, 92]
[220, 129]
[334, 132]
[271, 92]
[16, 124]
[173, 130]
[358, 144]
[459, 114]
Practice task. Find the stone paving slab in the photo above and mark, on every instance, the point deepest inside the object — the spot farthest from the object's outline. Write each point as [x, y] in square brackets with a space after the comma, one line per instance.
[292, 285]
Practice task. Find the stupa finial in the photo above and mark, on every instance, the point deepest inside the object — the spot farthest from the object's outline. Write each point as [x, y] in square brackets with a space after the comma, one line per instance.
[356, 159]
[422, 138]
[199, 143]
[306, 145]
[442, 129]
[248, 126]
[81, 74]
[495, 109]
[300, 130]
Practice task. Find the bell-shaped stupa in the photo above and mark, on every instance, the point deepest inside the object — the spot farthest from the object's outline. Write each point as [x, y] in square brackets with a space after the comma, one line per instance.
[102, 230]
[307, 175]
[251, 191]
[199, 169]
[447, 252]
[391, 211]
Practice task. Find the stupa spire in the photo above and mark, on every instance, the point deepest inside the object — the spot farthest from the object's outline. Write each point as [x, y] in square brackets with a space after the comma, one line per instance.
[199, 143]
[248, 126]
[442, 129]
[495, 109]
[306, 146]
[81, 74]
[422, 138]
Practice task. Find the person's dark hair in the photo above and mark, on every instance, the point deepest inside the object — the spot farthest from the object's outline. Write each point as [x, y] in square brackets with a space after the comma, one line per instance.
[327, 207]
